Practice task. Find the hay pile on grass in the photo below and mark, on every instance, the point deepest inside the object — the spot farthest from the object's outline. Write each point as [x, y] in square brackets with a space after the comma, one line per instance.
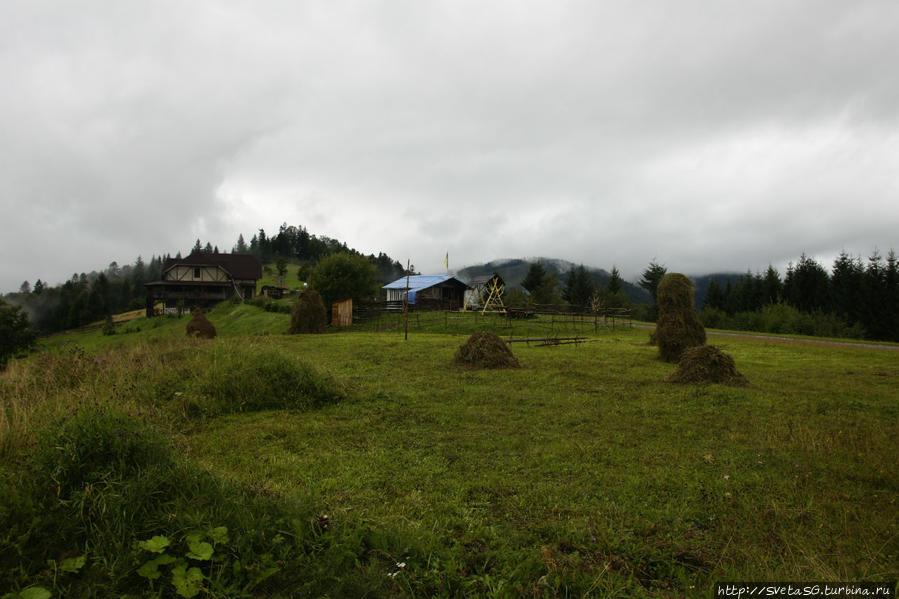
[308, 314]
[706, 364]
[486, 350]
[199, 326]
[678, 326]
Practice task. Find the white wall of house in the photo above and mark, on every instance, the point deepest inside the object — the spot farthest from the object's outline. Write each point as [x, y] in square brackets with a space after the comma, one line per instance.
[211, 274]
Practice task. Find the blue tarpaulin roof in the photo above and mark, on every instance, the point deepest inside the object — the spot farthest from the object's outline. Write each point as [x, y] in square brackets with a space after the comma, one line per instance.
[419, 282]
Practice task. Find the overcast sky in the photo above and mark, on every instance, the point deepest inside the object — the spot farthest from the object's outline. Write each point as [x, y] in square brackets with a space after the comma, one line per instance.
[708, 136]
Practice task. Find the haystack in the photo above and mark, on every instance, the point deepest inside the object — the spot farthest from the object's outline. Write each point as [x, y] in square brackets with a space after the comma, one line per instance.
[706, 364]
[486, 350]
[199, 326]
[678, 327]
[308, 314]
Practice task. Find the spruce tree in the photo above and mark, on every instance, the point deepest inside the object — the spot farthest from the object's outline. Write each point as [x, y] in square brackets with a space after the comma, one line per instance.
[579, 287]
[534, 278]
[16, 334]
[772, 286]
[651, 278]
[615, 283]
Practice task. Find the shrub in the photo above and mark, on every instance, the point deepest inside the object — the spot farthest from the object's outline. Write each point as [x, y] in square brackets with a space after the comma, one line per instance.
[713, 318]
[16, 334]
[199, 326]
[341, 276]
[706, 364]
[309, 314]
[485, 349]
[678, 327]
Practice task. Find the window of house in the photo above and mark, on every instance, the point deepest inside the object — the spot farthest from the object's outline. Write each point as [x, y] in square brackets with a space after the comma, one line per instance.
[196, 273]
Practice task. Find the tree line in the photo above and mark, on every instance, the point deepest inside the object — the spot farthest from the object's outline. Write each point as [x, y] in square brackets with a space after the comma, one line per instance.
[855, 299]
[577, 289]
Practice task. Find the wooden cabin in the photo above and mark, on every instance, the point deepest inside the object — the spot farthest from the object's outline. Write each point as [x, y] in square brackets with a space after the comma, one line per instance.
[427, 292]
[202, 279]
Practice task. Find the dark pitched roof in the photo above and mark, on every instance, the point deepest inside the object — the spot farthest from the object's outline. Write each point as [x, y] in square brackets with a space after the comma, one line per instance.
[239, 266]
[484, 279]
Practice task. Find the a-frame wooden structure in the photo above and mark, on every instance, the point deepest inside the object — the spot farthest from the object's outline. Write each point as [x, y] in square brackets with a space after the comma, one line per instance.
[487, 294]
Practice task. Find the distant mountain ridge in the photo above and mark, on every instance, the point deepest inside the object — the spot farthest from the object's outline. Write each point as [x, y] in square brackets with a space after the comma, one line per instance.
[514, 270]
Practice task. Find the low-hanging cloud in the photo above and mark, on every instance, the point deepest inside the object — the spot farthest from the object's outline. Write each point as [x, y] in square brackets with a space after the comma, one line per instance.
[707, 137]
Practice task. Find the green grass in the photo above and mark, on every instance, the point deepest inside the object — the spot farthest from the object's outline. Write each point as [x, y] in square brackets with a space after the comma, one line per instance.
[270, 273]
[580, 473]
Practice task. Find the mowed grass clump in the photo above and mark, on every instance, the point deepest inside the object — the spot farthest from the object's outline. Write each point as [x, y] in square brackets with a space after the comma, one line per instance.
[485, 349]
[706, 364]
[678, 327]
[257, 378]
[308, 314]
[199, 326]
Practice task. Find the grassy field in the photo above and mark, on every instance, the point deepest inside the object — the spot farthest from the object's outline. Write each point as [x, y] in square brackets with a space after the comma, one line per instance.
[373, 466]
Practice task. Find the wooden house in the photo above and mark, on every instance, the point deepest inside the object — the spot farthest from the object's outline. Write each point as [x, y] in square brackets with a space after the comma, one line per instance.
[202, 279]
[427, 292]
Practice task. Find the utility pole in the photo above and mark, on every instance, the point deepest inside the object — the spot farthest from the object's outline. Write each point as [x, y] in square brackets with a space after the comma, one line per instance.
[406, 301]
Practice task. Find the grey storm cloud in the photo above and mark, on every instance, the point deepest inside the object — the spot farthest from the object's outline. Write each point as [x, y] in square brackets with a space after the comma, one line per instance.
[707, 136]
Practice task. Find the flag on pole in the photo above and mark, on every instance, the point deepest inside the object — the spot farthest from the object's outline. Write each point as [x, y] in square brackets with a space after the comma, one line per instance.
[446, 261]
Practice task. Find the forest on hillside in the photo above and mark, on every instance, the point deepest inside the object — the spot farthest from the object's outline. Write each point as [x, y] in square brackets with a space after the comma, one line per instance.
[89, 297]
[855, 298]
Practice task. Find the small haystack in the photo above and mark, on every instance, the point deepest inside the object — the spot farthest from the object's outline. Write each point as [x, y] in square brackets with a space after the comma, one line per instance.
[678, 326]
[308, 314]
[706, 364]
[486, 350]
[199, 326]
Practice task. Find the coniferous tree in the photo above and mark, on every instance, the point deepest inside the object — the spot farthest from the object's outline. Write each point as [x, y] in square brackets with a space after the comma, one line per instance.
[846, 283]
[534, 278]
[579, 287]
[613, 286]
[16, 334]
[545, 292]
[771, 286]
[875, 303]
[891, 297]
[651, 278]
[714, 296]
[807, 285]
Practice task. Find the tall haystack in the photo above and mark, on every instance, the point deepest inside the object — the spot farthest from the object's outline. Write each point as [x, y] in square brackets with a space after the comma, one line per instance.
[486, 350]
[199, 326]
[678, 327]
[706, 364]
[308, 314]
